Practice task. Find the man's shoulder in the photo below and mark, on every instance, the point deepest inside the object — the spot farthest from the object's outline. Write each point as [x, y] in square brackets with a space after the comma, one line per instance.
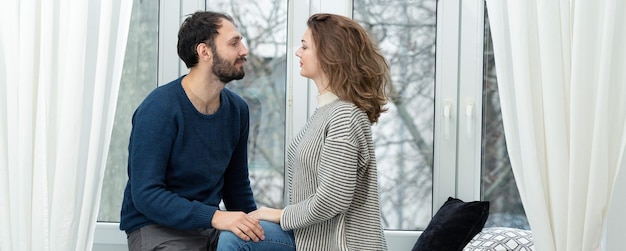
[169, 89]
[165, 92]
[234, 97]
[161, 99]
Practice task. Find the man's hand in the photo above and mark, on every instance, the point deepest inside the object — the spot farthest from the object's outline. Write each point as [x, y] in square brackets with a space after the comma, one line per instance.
[241, 224]
[268, 214]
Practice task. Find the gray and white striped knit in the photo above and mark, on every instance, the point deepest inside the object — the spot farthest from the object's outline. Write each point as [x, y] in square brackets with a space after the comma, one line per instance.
[332, 181]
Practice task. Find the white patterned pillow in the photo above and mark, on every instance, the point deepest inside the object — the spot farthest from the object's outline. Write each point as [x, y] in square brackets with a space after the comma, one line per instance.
[501, 238]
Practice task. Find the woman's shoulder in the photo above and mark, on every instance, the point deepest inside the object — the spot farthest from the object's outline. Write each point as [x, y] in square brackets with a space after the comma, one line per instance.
[345, 110]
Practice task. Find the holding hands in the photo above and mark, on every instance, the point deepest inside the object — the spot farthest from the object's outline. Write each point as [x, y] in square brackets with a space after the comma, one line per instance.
[241, 224]
[267, 214]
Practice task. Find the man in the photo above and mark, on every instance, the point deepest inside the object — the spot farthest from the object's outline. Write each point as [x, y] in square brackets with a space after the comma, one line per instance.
[188, 148]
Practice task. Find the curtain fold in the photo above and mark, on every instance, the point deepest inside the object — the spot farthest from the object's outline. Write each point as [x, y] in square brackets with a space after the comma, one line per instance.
[562, 88]
[60, 69]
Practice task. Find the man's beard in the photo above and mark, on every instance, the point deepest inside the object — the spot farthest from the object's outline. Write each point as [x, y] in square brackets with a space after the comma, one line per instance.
[225, 70]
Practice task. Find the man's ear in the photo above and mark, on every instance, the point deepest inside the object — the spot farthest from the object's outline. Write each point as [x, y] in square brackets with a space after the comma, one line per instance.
[204, 51]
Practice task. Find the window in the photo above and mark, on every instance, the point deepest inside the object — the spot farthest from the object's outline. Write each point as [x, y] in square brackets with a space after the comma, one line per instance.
[263, 25]
[406, 33]
[139, 77]
[470, 122]
[427, 148]
[497, 181]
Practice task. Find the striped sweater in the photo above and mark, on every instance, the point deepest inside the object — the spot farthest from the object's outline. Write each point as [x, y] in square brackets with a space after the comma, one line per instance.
[332, 181]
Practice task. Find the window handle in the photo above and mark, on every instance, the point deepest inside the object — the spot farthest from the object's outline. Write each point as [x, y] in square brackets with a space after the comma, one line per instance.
[447, 116]
[469, 112]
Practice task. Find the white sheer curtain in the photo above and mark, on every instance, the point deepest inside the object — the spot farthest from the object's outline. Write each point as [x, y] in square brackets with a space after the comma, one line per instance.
[560, 67]
[60, 68]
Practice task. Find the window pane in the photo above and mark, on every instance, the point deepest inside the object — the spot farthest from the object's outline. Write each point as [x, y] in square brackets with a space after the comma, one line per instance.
[498, 184]
[263, 25]
[139, 77]
[405, 31]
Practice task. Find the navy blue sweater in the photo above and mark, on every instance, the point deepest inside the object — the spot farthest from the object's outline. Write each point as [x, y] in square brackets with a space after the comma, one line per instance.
[182, 163]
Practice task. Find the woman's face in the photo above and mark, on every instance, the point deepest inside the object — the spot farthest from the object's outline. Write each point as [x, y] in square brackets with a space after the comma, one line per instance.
[309, 66]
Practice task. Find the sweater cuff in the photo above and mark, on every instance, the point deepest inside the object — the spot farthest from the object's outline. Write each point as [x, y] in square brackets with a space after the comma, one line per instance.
[203, 215]
[282, 220]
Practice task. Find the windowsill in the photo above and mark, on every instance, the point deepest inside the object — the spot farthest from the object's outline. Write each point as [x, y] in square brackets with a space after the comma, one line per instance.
[109, 234]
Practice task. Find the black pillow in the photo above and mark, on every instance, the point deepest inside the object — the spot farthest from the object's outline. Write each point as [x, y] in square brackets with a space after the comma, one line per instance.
[453, 226]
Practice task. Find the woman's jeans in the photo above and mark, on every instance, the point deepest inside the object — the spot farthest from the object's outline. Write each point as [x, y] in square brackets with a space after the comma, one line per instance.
[276, 239]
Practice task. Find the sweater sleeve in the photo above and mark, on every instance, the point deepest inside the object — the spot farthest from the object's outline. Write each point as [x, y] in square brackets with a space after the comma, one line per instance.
[339, 160]
[152, 138]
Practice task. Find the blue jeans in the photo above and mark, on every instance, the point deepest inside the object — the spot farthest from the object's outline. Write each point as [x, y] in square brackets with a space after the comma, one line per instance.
[276, 239]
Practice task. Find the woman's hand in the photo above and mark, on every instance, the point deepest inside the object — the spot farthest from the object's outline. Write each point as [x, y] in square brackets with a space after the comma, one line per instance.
[267, 214]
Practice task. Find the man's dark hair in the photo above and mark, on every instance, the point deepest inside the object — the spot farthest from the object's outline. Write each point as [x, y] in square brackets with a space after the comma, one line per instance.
[200, 27]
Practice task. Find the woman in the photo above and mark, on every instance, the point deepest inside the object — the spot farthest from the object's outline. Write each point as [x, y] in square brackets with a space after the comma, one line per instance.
[331, 167]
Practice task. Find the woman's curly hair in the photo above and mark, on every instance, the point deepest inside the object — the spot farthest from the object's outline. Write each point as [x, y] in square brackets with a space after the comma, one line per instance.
[355, 68]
